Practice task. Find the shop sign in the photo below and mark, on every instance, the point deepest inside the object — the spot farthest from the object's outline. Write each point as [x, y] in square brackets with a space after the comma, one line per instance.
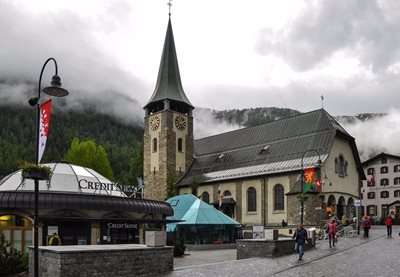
[85, 184]
[121, 226]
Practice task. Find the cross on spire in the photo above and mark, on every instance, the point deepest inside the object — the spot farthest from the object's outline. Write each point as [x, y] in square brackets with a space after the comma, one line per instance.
[170, 5]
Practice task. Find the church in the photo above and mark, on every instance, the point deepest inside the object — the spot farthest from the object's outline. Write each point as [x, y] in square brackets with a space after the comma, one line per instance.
[254, 174]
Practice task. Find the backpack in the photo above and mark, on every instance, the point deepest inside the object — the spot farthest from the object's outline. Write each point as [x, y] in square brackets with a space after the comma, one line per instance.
[365, 222]
[54, 241]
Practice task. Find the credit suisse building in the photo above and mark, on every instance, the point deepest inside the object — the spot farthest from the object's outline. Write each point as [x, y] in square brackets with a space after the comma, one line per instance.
[78, 204]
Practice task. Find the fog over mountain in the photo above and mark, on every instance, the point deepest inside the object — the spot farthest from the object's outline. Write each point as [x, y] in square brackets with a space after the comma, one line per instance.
[374, 133]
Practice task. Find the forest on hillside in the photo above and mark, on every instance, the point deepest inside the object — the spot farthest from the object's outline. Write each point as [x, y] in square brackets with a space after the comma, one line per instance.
[122, 142]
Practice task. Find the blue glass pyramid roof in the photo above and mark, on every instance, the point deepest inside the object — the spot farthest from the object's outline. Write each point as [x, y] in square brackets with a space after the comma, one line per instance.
[192, 210]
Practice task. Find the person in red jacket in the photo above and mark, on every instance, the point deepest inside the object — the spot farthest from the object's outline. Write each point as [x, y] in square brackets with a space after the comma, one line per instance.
[331, 232]
[389, 223]
[366, 224]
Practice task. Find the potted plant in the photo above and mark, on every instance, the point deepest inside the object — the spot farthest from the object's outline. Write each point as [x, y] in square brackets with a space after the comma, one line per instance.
[302, 197]
[36, 172]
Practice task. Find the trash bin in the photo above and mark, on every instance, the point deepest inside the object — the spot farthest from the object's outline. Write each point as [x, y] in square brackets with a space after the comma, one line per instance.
[275, 234]
[312, 234]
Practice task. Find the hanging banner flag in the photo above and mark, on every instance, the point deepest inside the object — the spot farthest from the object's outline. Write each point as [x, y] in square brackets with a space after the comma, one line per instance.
[140, 182]
[44, 123]
[308, 179]
[319, 186]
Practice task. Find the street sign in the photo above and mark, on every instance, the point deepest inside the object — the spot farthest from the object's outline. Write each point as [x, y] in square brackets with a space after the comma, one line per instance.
[357, 203]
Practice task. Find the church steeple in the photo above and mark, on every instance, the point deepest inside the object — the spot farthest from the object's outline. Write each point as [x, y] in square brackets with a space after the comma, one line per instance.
[169, 85]
[168, 139]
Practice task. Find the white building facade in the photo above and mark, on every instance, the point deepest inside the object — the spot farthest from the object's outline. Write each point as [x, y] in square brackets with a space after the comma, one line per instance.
[380, 193]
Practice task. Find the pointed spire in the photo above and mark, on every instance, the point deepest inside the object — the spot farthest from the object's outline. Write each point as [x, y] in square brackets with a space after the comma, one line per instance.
[169, 86]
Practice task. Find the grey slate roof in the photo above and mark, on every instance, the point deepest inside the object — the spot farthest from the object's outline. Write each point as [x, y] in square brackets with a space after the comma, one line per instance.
[272, 148]
[169, 85]
[380, 156]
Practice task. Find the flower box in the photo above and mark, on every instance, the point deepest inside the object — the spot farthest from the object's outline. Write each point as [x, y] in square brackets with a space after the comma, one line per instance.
[35, 174]
[35, 171]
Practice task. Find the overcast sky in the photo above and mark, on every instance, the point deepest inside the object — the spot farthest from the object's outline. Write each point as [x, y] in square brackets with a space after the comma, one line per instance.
[231, 53]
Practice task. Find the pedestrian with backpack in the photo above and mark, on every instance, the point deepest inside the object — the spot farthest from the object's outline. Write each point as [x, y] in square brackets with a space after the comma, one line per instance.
[331, 233]
[366, 224]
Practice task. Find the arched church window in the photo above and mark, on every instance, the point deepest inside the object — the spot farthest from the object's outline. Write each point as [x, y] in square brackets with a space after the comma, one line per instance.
[279, 197]
[336, 165]
[251, 199]
[205, 196]
[180, 147]
[155, 145]
[227, 193]
[341, 166]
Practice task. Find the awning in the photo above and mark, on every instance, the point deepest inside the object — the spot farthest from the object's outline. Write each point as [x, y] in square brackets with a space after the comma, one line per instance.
[51, 200]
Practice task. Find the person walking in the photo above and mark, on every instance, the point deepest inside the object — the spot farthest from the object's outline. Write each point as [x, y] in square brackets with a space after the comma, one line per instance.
[331, 233]
[366, 224]
[389, 223]
[54, 240]
[300, 235]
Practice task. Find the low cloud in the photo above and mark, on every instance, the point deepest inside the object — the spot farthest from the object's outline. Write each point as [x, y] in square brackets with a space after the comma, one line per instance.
[88, 73]
[206, 125]
[380, 134]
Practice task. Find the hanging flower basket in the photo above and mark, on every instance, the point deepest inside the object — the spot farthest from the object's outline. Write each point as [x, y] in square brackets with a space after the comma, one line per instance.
[302, 197]
[35, 171]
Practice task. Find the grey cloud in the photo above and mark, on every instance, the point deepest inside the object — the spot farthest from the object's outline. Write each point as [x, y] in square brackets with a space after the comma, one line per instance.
[367, 29]
[87, 72]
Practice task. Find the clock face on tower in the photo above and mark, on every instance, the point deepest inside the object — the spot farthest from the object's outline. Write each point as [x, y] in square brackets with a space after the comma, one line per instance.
[154, 123]
[180, 122]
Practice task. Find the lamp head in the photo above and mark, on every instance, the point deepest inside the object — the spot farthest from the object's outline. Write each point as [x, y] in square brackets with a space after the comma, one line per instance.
[55, 88]
[33, 101]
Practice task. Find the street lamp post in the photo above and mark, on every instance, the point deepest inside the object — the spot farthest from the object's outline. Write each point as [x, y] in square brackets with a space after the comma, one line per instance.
[54, 89]
[319, 163]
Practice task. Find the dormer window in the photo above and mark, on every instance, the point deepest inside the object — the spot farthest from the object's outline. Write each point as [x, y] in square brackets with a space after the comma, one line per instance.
[221, 157]
[265, 150]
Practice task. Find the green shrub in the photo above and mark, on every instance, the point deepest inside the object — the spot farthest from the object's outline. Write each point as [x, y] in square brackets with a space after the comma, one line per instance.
[12, 261]
[177, 243]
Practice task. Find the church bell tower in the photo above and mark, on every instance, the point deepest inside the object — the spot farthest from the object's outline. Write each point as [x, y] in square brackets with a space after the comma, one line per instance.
[168, 126]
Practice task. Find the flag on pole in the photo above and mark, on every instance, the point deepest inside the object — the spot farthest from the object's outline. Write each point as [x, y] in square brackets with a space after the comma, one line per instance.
[140, 182]
[44, 123]
[319, 186]
[308, 179]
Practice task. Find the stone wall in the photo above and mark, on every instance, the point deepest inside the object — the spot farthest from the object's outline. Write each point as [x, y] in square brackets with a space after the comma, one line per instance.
[120, 260]
[248, 248]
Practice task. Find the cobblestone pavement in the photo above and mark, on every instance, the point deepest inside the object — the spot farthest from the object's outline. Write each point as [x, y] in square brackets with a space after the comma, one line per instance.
[354, 256]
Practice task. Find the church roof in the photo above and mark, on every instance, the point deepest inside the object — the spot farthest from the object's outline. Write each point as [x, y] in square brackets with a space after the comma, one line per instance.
[169, 85]
[270, 148]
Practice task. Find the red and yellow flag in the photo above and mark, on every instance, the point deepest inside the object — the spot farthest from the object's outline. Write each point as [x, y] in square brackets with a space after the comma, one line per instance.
[308, 179]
